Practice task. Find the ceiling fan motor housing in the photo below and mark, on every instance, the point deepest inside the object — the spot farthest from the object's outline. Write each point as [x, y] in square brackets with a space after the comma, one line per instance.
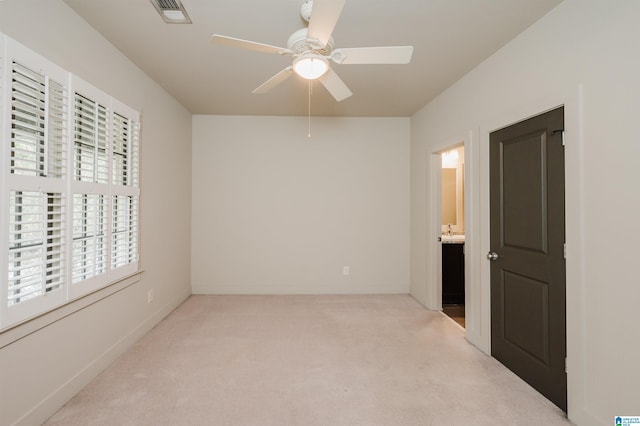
[299, 44]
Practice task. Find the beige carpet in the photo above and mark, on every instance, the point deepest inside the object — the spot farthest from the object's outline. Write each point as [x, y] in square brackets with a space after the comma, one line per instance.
[306, 360]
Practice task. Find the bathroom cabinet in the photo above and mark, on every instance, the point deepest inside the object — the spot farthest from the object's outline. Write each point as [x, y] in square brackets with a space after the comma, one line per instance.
[453, 273]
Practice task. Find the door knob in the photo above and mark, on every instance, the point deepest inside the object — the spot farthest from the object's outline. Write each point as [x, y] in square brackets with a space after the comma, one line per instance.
[492, 255]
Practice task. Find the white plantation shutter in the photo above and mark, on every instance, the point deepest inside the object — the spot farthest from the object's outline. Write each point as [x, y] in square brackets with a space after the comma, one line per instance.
[36, 244]
[90, 188]
[105, 164]
[124, 230]
[124, 227]
[34, 155]
[125, 147]
[38, 120]
[69, 191]
[89, 236]
[135, 154]
[90, 140]
[126, 137]
[121, 145]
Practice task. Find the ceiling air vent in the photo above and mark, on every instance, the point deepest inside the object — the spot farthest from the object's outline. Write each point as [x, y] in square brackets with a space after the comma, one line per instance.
[172, 11]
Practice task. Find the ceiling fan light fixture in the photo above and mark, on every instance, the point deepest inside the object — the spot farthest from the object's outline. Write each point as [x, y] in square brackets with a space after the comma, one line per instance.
[310, 67]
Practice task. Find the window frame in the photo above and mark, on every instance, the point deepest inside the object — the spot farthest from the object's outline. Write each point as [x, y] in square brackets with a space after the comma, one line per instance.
[67, 186]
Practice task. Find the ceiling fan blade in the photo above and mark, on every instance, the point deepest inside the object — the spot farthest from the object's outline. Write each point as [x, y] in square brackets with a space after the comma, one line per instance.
[249, 45]
[335, 85]
[274, 81]
[324, 15]
[373, 55]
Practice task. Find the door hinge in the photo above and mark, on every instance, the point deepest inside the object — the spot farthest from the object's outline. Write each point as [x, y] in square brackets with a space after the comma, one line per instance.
[561, 131]
[564, 250]
[565, 366]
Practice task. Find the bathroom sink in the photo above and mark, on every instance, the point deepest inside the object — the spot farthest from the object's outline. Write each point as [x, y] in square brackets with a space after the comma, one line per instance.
[452, 239]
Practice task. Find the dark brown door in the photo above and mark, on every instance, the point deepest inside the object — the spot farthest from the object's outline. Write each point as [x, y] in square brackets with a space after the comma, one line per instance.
[528, 314]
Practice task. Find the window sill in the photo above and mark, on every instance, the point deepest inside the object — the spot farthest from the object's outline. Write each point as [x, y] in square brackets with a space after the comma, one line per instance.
[22, 329]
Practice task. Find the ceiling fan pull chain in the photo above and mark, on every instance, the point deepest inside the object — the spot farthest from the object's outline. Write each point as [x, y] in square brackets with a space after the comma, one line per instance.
[309, 134]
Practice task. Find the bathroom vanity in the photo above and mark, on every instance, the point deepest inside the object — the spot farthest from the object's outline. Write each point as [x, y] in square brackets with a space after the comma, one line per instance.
[452, 269]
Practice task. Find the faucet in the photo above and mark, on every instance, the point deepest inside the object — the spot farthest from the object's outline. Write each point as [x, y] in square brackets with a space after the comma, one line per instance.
[449, 230]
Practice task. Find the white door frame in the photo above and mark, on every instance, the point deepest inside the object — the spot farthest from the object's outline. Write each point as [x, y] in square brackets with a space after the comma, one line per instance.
[572, 100]
[434, 278]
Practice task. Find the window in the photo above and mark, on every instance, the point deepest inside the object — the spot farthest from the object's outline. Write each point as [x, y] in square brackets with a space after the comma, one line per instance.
[69, 188]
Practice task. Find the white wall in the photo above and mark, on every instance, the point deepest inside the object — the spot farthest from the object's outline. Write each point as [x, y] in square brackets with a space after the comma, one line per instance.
[583, 54]
[275, 212]
[40, 371]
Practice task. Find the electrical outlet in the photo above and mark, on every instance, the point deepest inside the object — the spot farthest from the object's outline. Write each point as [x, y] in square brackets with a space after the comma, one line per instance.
[150, 296]
[345, 270]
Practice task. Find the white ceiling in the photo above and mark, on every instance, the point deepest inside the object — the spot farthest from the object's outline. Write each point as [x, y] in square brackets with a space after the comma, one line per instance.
[450, 38]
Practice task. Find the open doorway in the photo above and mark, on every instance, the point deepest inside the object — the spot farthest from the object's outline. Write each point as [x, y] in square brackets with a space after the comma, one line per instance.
[452, 234]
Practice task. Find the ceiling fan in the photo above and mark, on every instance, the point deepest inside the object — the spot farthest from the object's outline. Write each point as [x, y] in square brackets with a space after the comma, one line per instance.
[312, 48]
